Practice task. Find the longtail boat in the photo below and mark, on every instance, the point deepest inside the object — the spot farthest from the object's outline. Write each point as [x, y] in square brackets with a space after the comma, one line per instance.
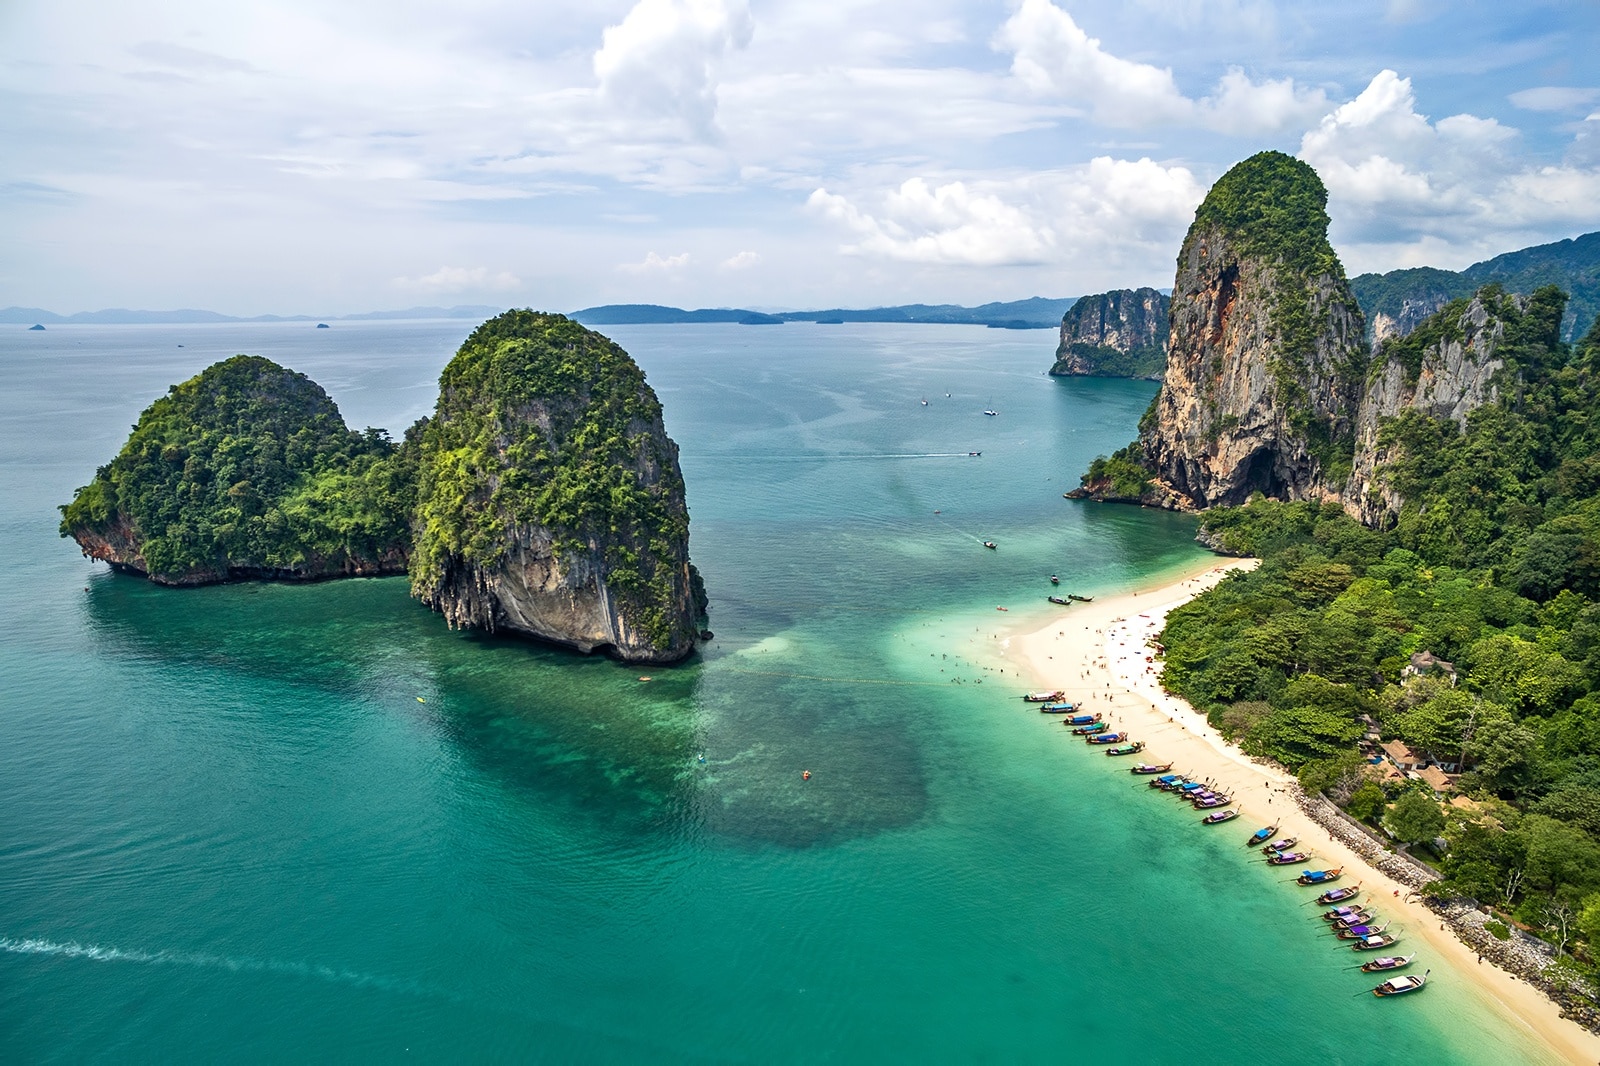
[1081, 719]
[1146, 768]
[1192, 786]
[1044, 697]
[1165, 781]
[1218, 817]
[1127, 749]
[1396, 986]
[1057, 708]
[1062, 600]
[1354, 921]
[1107, 738]
[1080, 599]
[1339, 895]
[1288, 858]
[1280, 845]
[1091, 728]
[1261, 836]
[1212, 801]
[1361, 932]
[1320, 877]
[1388, 962]
[1341, 912]
[1376, 942]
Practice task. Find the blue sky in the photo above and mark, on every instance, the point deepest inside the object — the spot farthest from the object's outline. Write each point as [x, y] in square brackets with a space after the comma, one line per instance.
[318, 157]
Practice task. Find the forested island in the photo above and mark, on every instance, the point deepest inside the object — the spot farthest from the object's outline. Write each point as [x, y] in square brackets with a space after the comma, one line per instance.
[1421, 641]
[542, 498]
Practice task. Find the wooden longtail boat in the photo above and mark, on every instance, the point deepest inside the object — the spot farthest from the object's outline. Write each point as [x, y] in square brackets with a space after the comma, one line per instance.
[1320, 877]
[1214, 800]
[1376, 942]
[1166, 781]
[1218, 817]
[1339, 895]
[1127, 749]
[1080, 599]
[1288, 858]
[1081, 719]
[1261, 836]
[1062, 600]
[1354, 921]
[1057, 708]
[1361, 932]
[1397, 986]
[1107, 738]
[1388, 962]
[1342, 912]
[1044, 697]
[1145, 768]
[1090, 729]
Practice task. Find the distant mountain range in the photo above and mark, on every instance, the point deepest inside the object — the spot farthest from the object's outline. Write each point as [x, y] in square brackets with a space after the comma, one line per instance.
[1395, 302]
[118, 316]
[1034, 313]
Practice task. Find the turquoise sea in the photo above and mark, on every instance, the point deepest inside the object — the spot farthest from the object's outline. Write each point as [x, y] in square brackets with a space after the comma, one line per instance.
[263, 822]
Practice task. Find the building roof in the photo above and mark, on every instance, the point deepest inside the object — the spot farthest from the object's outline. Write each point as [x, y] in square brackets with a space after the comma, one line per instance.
[1426, 660]
[1400, 751]
[1436, 778]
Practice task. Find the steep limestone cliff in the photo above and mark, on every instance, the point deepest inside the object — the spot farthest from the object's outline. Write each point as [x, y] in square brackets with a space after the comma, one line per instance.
[1122, 333]
[247, 471]
[551, 503]
[1265, 357]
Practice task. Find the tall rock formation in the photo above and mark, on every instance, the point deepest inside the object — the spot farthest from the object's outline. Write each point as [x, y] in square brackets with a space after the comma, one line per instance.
[247, 470]
[551, 503]
[1266, 354]
[1122, 333]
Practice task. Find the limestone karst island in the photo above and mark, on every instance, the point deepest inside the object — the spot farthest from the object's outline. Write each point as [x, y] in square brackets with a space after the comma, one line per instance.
[543, 498]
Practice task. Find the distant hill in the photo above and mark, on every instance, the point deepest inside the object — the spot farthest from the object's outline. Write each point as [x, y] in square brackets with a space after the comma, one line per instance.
[1394, 303]
[1034, 313]
[123, 317]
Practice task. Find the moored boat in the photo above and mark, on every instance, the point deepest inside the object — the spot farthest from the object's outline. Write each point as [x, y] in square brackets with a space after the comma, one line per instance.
[1375, 942]
[1216, 800]
[1044, 697]
[1107, 738]
[1361, 932]
[1388, 962]
[1146, 768]
[1396, 986]
[1090, 729]
[1060, 708]
[1054, 580]
[1167, 782]
[1339, 895]
[1279, 846]
[1218, 817]
[1288, 858]
[1342, 912]
[1082, 719]
[1080, 599]
[1355, 921]
[1062, 600]
[1261, 836]
[1320, 877]
[1127, 749]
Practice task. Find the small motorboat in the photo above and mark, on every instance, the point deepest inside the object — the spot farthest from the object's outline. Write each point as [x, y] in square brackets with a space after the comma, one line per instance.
[1397, 986]
[991, 545]
[1288, 858]
[1320, 877]
[1057, 708]
[1090, 729]
[924, 403]
[1375, 942]
[1218, 817]
[991, 414]
[1339, 895]
[1082, 719]
[1279, 846]
[1062, 600]
[1127, 749]
[1107, 738]
[1388, 962]
[1044, 697]
[1146, 768]
[974, 453]
[1261, 836]
[1054, 580]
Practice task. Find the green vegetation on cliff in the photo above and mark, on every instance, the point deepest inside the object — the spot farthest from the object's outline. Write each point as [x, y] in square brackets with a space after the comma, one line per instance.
[249, 467]
[1273, 207]
[542, 422]
[1493, 566]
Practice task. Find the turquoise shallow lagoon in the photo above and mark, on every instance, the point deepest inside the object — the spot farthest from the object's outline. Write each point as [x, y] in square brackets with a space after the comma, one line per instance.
[287, 823]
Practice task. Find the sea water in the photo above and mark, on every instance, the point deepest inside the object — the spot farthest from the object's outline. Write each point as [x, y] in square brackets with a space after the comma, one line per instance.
[271, 822]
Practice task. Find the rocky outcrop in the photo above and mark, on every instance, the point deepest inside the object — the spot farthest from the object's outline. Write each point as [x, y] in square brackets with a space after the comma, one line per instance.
[1265, 355]
[1443, 369]
[246, 470]
[1122, 333]
[551, 503]
[1411, 313]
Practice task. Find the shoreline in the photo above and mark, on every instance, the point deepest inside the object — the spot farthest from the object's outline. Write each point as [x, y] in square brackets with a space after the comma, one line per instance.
[1096, 654]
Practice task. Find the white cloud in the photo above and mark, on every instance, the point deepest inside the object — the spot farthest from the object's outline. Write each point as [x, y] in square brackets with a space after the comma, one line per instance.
[1554, 98]
[660, 59]
[1110, 209]
[655, 264]
[741, 261]
[1052, 55]
[448, 279]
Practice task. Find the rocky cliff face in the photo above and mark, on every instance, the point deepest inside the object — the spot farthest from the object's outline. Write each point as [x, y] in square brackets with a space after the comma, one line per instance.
[1444, 368]
[1265, 355]
[551, 501]
[1122, 333]
[1411, 314]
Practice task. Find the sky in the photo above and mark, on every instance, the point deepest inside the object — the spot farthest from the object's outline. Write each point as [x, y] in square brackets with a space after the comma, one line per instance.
[325, 157]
